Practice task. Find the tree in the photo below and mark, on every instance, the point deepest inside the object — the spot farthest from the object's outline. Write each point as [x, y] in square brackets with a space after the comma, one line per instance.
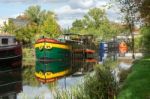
[36, 15]
[37, 22]
[144, 9]
[129, 10]
[45, 21]
[95, 22]
[77, 25]
[90, 23]
[50, 27]
[145, 30]
[10, 27]
[95, 17]
[25, 34]
[33, 14]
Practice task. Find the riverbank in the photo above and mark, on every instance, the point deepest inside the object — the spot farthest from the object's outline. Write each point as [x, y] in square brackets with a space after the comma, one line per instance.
[28, 57]
[137, 84]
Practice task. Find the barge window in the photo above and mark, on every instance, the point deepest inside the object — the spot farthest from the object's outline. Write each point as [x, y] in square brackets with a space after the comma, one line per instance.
[14, 40]
[5, 41]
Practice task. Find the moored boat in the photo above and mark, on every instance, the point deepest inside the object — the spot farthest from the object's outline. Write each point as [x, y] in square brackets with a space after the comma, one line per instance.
[52, 59]
[59, 58]
[10, 66]
[50, 48]
[10, 53]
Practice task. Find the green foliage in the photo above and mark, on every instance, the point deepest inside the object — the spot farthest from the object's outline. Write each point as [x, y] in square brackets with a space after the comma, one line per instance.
[95, 17]
[39, 22]
[9, 27]
[28, 57]
[35, 14]
[146, 37]
[50, 28]
[25, 34]
[52, 85]
[144, 9]
[124, 74]
[110, 63]
[137, 84]
[130, 10]
[103, 85]
[28, 76]
[138, 44]
[98, 85]
[95, 22]
[42, 21]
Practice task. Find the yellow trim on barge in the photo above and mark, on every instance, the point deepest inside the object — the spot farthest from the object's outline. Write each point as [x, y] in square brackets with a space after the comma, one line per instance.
[51, 45]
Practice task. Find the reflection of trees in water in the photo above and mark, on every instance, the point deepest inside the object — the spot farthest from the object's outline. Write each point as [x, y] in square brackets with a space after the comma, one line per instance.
[29, 78]
[52, 85]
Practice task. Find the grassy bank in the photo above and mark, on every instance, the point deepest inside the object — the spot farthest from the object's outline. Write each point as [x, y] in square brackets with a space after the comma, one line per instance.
[28, 57]
[137, 84]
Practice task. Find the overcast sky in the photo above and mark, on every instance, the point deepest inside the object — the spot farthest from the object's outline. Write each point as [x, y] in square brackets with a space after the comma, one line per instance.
[66, 10]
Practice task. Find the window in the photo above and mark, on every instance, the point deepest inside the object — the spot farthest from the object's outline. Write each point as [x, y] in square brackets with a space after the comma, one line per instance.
[5, 41]
[14, 40]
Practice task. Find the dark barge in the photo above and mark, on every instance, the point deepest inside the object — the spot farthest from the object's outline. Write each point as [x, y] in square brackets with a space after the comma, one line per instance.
[10, 67]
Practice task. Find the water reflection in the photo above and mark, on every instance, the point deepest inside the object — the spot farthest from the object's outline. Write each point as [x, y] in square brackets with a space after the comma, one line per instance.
[57, 58]
[32, 88]
[28, 76]
[48, 71]
[10, 82]
[51, 71]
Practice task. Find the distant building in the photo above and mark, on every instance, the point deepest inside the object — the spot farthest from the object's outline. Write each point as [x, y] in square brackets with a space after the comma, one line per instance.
[0, 28]
[5, 34]
[136, 33]
[1, 25]
[19, 22]
[1, 22]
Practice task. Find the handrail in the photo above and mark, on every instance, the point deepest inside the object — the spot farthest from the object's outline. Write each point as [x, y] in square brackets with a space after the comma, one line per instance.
[11, 70]
[9, 83]
[9, 47]
[10, 57]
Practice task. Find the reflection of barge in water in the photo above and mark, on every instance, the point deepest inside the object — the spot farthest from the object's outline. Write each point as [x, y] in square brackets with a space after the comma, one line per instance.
[10, 67]
[57, 58]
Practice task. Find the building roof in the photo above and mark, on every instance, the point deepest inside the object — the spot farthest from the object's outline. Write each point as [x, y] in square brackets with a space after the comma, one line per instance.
[19, 22]
[5, 34]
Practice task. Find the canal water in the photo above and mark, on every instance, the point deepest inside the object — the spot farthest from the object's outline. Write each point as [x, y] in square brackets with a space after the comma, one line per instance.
[28, 87]
[20, 83]
[32, 88]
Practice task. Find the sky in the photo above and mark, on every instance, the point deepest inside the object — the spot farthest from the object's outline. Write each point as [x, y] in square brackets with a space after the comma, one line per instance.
[66, 10]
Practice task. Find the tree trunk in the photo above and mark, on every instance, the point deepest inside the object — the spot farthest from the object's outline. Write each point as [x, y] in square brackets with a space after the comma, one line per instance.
[133, 56]
[131, 26]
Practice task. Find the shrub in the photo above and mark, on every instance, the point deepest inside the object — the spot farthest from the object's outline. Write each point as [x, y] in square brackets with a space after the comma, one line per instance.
[146, 37]
[97, 85]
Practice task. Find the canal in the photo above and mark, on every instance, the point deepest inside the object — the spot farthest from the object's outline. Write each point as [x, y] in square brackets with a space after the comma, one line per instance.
[28, 87]
[32, 88]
